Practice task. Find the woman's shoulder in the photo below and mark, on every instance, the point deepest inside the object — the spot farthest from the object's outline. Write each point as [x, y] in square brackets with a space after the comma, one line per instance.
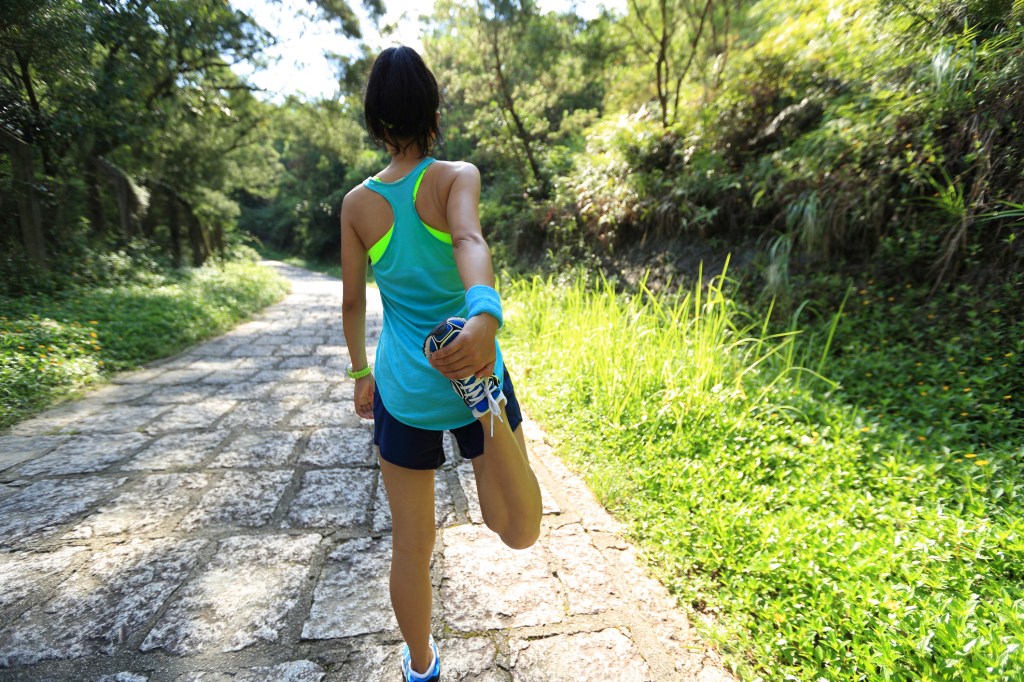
[457, 168]
[357, 198]
[455, 173]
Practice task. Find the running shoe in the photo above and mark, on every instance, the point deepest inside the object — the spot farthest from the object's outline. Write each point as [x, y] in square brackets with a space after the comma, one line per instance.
[480, 395]
[431, 675]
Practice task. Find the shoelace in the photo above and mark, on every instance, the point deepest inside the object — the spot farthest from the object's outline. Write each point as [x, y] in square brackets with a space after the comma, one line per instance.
[493, 406]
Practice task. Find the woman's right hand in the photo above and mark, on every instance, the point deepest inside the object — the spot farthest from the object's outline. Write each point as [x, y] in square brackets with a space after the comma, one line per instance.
[364, 396]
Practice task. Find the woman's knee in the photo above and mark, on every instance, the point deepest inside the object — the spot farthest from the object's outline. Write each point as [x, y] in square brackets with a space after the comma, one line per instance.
[419, 547]
[521, 536]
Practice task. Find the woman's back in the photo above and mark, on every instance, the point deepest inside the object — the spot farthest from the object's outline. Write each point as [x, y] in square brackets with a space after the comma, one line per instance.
[415, 270]
[372, 215]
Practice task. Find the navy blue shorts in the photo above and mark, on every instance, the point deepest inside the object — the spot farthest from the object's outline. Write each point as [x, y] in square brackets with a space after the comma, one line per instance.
[413, 448]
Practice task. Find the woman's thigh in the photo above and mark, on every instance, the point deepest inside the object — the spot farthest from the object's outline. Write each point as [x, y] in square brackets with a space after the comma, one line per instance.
[411, 498]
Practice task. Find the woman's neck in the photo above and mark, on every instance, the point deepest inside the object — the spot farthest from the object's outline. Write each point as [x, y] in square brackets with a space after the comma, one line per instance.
[401, 164]
[409, 153]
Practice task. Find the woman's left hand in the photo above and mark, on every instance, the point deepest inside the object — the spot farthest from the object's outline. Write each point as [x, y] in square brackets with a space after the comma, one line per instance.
[472, 353]
[363, 396]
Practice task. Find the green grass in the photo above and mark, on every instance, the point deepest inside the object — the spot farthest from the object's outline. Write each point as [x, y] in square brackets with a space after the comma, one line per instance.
[841, 503]
[50, 347]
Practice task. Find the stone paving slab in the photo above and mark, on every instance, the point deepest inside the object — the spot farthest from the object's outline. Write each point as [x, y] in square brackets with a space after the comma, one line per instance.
[17, 449]
[84, 455]
[176, 451]
[145, 508]
[239, 498]
[476, 562]
[258, 449]
[242, 596]
[333, 498]
[24, 575]
[338, 447]
[219, 516]
[44, 506]
[573, 656]
[352, 596]
[102, 604]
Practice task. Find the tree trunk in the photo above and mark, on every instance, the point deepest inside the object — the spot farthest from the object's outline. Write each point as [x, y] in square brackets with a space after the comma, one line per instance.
[195, 238]
[93, 198]
[218, 239]
[149, 220]
[128, 201]
[30, 214]
[175, 228]
[509, 104]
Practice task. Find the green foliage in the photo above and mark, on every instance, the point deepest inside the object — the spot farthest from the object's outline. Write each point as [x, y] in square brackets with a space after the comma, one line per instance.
[319, 154]
[520, 89]
[40, 360]
[51, 346]
[856, 132]
[84, 263]
[866, 526]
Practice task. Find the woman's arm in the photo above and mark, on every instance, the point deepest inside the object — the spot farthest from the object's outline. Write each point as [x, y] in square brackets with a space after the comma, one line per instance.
[472, 353]
[353, 306]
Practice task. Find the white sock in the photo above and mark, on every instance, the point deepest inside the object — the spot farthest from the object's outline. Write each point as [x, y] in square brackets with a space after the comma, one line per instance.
[426, 675]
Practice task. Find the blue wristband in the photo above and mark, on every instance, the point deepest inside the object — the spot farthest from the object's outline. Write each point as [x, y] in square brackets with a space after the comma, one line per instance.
[484, 299]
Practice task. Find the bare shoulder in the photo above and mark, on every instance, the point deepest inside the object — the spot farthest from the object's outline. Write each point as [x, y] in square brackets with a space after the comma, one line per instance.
[356, 197]
[358, 201]
[458, 169]
[458, 176]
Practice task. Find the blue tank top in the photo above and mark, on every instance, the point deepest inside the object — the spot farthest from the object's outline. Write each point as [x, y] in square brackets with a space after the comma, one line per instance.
[420, 286]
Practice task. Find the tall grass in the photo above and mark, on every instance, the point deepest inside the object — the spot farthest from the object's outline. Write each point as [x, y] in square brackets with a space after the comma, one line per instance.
[810, 538]
[672, 358]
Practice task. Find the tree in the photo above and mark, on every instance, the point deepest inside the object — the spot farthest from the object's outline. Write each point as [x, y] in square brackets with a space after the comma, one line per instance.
[511, 76]
[675, 37]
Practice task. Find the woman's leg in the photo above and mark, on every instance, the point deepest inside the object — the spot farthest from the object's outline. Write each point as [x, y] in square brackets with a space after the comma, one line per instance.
[508, 489]
[411, 497]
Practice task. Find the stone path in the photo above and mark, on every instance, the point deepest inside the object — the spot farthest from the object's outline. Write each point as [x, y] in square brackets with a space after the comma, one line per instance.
[219, 516]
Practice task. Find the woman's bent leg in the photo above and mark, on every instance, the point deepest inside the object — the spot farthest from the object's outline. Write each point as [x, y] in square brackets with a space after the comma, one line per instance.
[411, 497]
[508, 489]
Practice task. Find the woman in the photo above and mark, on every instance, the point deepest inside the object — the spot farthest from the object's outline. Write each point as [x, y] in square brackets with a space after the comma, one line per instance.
[438, 366]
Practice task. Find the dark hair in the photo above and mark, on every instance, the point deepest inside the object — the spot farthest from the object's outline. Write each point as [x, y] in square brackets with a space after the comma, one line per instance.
[401, 100]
